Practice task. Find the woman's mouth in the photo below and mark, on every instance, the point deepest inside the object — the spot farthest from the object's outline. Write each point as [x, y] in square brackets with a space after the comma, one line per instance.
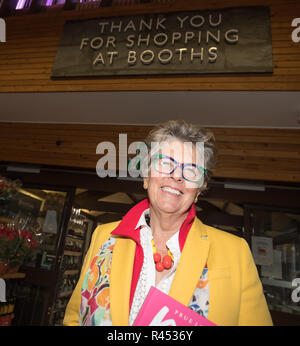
[172, 191]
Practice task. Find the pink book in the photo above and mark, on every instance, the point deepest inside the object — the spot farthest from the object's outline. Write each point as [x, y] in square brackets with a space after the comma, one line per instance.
[159, 309]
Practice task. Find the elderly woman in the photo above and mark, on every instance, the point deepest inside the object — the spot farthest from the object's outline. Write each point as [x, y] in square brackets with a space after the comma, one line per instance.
[160, 242]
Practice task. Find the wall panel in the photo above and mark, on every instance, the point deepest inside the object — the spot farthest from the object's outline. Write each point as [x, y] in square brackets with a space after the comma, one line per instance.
[262, 154]
[32, 40]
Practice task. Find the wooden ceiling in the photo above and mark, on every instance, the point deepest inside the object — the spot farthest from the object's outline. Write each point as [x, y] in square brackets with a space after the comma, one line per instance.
[106, 206]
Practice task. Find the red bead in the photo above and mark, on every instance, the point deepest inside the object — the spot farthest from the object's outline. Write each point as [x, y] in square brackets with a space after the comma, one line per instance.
[167, 262]
[159, 266]
[157, 257]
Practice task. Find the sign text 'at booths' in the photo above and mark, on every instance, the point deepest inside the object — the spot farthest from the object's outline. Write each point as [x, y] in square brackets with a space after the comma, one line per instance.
[231, 40]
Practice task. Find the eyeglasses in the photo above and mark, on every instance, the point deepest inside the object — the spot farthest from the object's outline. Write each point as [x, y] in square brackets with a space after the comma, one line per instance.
[189, 171]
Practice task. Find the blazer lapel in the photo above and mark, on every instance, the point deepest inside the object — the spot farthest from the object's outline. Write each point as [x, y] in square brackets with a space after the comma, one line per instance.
[192, 262]
[120, 280]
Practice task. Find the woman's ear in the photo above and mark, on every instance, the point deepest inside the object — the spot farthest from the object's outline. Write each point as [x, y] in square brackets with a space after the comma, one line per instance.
[202, 188]
[145, 183]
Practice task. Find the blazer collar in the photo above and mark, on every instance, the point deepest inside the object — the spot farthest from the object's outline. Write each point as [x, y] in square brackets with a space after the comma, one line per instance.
[120, 280]
[193, 259]
[123, 263]
[127, 227]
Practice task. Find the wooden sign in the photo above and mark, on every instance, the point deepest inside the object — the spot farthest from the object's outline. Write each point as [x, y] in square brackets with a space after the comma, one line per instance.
[232, 40]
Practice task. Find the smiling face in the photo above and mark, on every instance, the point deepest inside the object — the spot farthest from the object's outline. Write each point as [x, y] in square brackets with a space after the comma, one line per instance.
[171, 193]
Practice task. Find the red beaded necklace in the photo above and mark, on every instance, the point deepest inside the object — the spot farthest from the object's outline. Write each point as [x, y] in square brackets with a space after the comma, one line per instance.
[167, 261]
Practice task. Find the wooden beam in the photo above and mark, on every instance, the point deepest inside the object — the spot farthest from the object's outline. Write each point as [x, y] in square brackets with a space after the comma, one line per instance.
[90, 196]
[81, 179]
[286, 198]
[109, 217]
[121, 208]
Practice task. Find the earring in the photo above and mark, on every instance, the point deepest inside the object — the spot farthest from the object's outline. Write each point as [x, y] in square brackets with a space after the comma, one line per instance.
[145, 185]
[196, 199]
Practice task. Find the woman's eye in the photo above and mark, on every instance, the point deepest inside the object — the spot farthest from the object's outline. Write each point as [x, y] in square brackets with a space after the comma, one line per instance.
[190, 172]
[165, 163]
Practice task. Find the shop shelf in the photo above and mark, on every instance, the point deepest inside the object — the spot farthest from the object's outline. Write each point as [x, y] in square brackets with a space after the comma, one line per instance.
[13, 276]
[72, 253]
[71, 272]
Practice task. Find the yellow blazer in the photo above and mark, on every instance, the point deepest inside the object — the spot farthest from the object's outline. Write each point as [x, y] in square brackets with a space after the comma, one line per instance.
[235, 292]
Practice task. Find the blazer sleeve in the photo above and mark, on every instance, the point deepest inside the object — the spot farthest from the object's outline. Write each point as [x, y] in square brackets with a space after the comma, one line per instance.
[253, 307]
[71, 317]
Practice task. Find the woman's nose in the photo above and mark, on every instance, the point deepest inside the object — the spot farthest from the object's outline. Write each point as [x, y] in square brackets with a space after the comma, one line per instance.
[177, 174]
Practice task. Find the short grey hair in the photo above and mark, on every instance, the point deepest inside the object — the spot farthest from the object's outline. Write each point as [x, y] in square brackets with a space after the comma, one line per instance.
[186, 132]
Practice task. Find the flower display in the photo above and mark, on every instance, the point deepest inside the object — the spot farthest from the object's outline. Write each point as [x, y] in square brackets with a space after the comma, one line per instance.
[17, 232]
[8, 188]
[15, 245]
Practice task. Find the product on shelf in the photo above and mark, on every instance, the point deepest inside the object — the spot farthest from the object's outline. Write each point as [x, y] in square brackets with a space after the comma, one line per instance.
[70, 265]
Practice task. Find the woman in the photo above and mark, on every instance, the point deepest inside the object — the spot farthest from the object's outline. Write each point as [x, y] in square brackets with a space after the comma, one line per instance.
[160, 242]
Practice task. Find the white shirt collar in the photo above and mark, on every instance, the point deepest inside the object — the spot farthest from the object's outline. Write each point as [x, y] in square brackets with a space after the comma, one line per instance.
[142, 221]
[172, 243]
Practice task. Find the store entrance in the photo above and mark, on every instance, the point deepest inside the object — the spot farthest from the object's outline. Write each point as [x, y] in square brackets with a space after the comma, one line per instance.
[80, 201]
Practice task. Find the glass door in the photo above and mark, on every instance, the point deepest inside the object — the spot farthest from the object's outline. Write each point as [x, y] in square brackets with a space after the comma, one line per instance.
[40, 215]
[275, 244]
[77, 241]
